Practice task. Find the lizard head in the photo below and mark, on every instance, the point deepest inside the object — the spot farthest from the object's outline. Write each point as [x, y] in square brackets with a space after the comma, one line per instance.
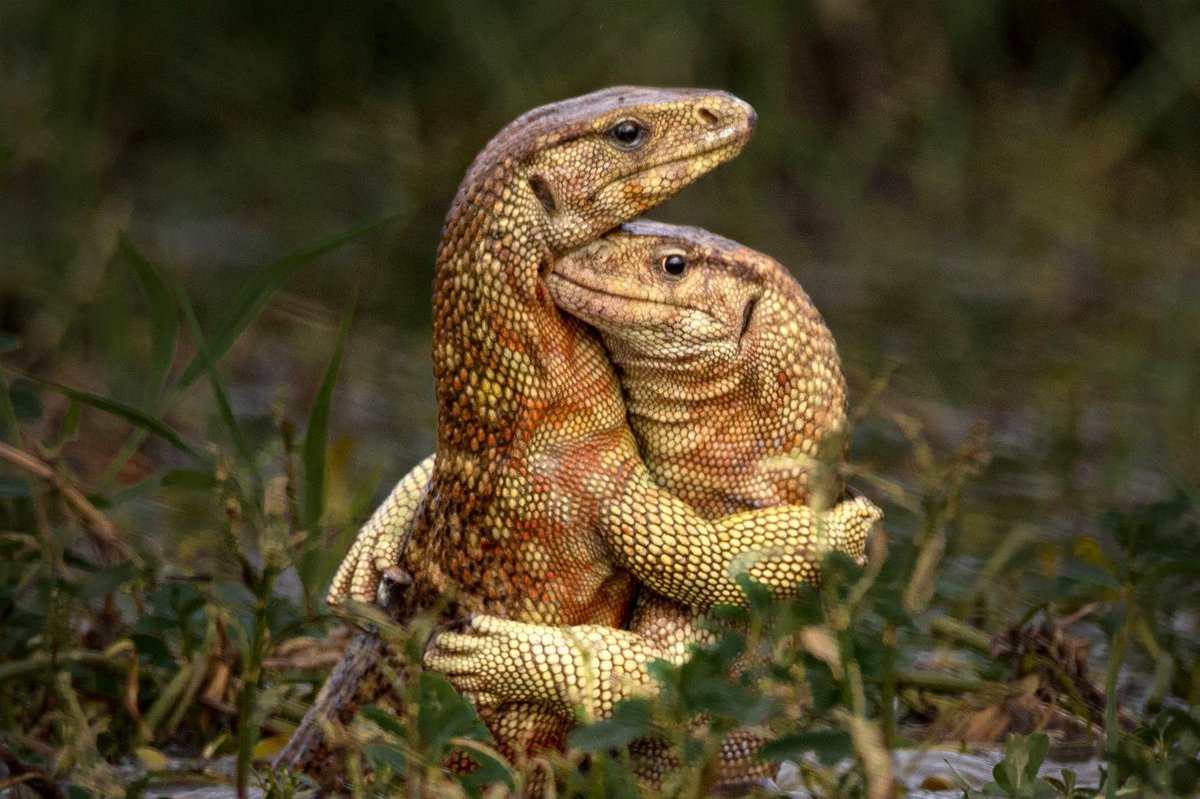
[665, 293]
[593, 162]
[689, 316]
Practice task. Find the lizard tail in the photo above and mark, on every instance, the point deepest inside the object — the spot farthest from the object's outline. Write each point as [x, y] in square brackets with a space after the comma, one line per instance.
[320, 745]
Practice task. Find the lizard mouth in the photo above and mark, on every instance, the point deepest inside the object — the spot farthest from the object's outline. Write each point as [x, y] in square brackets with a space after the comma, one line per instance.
[579, 285]
[724, 149]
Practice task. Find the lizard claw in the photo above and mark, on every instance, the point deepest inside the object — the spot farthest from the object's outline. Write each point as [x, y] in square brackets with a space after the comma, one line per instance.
[398, 577]
[446, 645]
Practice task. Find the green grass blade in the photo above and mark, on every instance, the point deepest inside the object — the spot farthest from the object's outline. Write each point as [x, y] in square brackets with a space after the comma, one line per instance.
[205, 356]
[130, 414]
[8, 416]
[317, 432]
[164, 325]
[251, 300]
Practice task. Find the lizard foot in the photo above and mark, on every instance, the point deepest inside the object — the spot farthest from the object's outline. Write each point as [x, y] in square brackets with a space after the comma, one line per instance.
[377, 550]
[499, 660]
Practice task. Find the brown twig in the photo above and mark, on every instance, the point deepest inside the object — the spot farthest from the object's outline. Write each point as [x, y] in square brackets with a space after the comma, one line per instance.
[94, 521]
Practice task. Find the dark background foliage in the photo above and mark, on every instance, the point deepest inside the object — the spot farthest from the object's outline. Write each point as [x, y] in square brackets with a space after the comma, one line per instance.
[997, 197]
[996, 205]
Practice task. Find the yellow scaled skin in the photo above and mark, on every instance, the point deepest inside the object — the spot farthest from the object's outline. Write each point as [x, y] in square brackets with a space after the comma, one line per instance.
[539, 508]
[733, 387]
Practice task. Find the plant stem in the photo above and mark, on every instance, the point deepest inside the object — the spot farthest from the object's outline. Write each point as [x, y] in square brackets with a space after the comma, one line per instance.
[888, 698]
[1115, 656]
[43, 662]
[251, 674]
[960, 633]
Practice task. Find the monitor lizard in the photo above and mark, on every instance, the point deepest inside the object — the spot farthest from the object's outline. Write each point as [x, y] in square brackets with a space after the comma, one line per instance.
[538, 506]
[735, 394]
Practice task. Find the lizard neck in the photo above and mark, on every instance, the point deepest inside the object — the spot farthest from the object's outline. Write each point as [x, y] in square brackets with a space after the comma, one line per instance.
[742, 426]
[664, 391]
[693, 419]
[501, 348]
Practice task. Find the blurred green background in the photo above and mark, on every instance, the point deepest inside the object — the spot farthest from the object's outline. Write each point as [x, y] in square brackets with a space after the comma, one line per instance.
[995, 204]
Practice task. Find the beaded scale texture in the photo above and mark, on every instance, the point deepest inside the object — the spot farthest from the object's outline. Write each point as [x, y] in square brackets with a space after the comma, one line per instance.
[539, 507]
[733, 386]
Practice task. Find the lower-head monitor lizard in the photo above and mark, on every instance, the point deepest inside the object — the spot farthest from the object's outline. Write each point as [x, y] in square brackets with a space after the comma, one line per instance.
[734, 388]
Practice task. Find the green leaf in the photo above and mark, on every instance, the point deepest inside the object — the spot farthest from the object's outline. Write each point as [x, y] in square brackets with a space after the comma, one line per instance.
[246, 306]
[108, 579]
[828, 746]
[384, 720]
[163, 322]
[153, 648]
[443, 714]
[70, 425]
[1087, 574]
[205, 354]
[1037, 745]
[26, 405]
[631, 719]
[9, 343]
[318, 431]
[1005, 777]
[385, 756]
[491, 769]
[193, 479]
[127, 412]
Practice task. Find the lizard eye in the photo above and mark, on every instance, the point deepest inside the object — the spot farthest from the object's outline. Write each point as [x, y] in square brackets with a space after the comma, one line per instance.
[674, 265]
[628, 134]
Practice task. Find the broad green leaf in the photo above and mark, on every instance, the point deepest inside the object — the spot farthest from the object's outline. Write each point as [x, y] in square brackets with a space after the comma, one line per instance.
[385, 756]
[153, 648]
[828, 746]
[384, 720]
[189, 478]
[492, 769]
[163, 322]
[317, 433]
[444, 714]
[1037, 745]
[1087, 574]
[246, 306]
[630, 720]
[108, 579]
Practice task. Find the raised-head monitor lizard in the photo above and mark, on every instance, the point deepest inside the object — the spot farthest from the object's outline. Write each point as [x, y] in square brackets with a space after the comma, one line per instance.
[538, 500]
[515, 381]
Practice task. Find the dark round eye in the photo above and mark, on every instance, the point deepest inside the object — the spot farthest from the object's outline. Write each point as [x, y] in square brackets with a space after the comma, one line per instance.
[628, 133]
[674, 265]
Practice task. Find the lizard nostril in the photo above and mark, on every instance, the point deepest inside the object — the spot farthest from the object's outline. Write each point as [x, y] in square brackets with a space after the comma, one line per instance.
[708, 117]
